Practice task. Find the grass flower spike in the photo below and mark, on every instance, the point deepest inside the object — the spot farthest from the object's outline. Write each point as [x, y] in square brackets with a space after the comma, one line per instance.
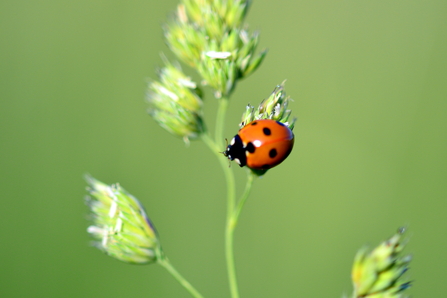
[377, 274]
[120, 224]
[208, 36]
[175, 103]
[274, 107]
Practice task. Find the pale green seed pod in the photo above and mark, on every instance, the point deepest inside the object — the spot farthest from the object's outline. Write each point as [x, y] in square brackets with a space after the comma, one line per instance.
[207, 35]
[248, 116]
[232, 13]
[175, 103]
[185, 39]
[231, 59]
[121, 226]
[235, 11]
[219, 71]
[253, 63]
[230, 42]
[378, 273]
[194, 9]
[274, 107]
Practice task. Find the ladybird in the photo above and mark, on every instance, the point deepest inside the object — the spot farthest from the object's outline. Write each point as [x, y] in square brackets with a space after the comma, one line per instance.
[261, 144]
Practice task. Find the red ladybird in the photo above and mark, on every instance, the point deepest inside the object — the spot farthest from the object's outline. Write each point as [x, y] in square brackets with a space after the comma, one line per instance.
[261, 144]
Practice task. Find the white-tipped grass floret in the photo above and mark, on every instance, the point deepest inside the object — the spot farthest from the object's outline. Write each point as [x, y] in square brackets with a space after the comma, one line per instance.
[175, 103]
[273, 107]
[121, 227]
[209, 36]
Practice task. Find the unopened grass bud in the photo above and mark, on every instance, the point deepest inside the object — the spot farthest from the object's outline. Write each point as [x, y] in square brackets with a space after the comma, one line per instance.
[235, 11]
[253, 63]
[274, 107]
[184, 39]
[207, 35]
[248, 115]
[246, 60]
[175, 103]
[219, 72]
[378, 273]
[232, 13]
[121, 226]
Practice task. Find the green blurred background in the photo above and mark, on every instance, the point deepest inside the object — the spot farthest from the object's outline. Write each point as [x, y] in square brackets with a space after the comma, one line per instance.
[369, 83]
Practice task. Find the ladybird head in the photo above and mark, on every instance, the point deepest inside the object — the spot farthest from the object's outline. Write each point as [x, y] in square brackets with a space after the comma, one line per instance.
[235, 151]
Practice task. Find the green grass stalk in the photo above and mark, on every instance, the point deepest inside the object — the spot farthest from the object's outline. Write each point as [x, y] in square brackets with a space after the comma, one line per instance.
[168, 266]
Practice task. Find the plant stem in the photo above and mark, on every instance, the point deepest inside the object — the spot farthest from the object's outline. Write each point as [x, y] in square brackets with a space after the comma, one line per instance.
[229, 229]
[220, 120]
[240, 205]
[231, 192]
[232, 219]
[166, 264]
[231, 200]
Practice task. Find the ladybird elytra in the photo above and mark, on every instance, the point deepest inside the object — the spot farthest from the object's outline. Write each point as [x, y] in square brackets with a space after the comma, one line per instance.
[261, 144]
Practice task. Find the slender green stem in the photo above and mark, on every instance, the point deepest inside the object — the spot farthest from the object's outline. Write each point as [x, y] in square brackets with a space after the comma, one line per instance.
[229, 254]
[231, 201]
[166, 264]
[233, 216]
[213, 147]
[220, 120]
[229, 229]
[240, 205]
[231, 192]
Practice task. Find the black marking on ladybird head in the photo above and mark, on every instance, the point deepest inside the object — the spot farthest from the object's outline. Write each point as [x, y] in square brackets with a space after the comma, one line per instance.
[250, 147]
[273, 153]
[236, 151]
[266, 131]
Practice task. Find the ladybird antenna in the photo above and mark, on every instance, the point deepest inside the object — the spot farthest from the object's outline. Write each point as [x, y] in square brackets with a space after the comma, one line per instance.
[224, 152]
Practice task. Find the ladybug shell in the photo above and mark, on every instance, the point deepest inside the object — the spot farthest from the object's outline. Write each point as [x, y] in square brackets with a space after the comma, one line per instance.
[261, 144]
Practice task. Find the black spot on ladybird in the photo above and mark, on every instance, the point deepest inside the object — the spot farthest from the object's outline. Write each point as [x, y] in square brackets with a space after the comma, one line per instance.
[250, 147]
[273, 153]
[254, 123]
[266, 131]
